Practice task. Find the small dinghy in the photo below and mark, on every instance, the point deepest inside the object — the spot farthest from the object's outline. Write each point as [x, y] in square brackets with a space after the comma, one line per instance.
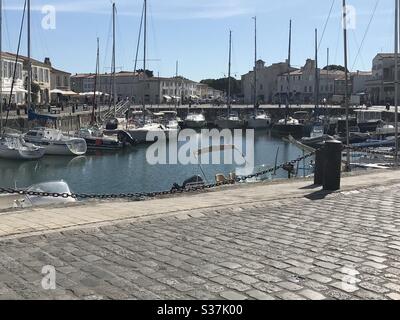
[60, 187]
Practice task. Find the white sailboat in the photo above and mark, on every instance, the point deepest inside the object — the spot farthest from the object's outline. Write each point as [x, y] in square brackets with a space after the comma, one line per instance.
[56, 143]
[148, 128]
[232, 121]
[15, 148]
[259, 120]
[195, 121]
[12, 146]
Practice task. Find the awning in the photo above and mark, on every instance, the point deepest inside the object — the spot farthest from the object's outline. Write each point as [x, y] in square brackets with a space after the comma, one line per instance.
[194, 97]
[167, 97]
[15, 90]
[92, 93]
[64, 93]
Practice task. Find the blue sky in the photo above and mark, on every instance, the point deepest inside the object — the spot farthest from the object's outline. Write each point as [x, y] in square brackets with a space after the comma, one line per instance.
[195, 32]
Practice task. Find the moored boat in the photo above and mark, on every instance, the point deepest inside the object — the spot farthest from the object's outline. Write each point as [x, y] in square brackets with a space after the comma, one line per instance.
[56, 143]
[259, 121]
[13, 147]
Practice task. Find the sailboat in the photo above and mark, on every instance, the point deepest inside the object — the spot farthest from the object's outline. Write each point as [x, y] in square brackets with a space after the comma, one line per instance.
[195, 121]
[93, 134]
[12, 145]
[260, 119]
[142, 132]
[232, 120]
[288, 125]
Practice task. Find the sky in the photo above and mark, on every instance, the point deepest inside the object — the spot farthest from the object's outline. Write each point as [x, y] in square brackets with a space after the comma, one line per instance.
[196, 33]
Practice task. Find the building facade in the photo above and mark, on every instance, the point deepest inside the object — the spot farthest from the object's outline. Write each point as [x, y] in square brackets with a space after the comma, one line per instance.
[136, 87]
[380, 86]
[18, 91]
[267, 82]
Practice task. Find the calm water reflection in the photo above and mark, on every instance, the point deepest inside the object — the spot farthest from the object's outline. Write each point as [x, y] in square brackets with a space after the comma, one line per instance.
[128, 171]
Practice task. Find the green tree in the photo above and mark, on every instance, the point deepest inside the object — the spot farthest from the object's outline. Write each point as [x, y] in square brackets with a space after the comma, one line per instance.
[334, 67]
[222, 85]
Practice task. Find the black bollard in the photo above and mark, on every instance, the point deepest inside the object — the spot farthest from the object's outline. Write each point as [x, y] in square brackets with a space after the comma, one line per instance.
[319, 165]
[333, 165]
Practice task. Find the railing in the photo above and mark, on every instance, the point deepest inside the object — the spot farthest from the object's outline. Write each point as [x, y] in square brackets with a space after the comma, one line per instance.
[120, 110]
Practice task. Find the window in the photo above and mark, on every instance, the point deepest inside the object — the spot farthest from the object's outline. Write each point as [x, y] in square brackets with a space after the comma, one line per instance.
[5, 69]
[35, 74]
[305, 89]
[59, 82]
[46, 76]
[311, 90]
[41, 76]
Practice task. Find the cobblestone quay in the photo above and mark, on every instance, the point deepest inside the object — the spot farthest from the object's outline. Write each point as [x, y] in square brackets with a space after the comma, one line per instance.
[310, 246]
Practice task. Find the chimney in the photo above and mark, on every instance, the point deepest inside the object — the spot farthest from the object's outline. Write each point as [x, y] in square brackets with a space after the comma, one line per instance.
[47, 61]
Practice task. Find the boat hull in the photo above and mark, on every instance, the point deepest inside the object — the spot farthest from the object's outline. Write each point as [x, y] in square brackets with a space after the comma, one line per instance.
[63, 148]
[259, 123]
[195, 124]
[230, 124]
[295, 130]
[15, 154]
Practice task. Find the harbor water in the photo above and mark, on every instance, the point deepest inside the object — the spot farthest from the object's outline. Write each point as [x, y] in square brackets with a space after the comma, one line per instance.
[128, 171]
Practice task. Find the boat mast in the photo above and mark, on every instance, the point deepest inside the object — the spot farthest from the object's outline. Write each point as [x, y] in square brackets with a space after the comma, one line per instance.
[346, 98]
[113, 64]
[316, 71]
[229, 72]
[288, 73]
[396, 78]
[176, 77]
[95, 82]
[144, 59]
[255, 63]
[1, 67]
[29, 82]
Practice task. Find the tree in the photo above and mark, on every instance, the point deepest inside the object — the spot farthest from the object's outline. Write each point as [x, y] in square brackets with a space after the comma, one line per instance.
[222, 85]
[149, 73]
[334, 67]
[35, 89]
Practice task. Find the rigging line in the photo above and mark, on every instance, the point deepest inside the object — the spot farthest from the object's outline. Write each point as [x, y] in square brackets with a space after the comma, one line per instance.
[15, 65]
[326, 24]
[366, 33]
[139, 39]
[107, 45]
[337, 42]
[5, 15]
[359, 46]
[153, 31]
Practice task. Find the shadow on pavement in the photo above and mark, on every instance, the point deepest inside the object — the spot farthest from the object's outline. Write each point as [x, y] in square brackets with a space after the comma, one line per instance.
[318, 195]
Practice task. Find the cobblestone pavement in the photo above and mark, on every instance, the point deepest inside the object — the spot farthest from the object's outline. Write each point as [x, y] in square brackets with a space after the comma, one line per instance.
[343, 246]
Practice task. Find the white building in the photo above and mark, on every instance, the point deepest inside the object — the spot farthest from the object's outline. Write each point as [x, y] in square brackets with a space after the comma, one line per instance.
[18, 92]
[267, 85]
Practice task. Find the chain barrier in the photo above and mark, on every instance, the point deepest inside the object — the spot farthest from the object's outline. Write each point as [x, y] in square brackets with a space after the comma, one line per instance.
[143, 196]
[369, 151]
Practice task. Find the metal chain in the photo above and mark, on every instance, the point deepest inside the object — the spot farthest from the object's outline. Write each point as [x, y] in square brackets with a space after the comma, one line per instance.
[143, 196]
[369, 151]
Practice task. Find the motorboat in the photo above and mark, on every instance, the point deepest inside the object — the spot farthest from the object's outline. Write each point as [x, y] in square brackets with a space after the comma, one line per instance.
[59, 187]
[259, 121]
[233, 121]
[289, 126]
[148, 133]
[195, 121]
[13, 147]
[56, 143]
[96, 140]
